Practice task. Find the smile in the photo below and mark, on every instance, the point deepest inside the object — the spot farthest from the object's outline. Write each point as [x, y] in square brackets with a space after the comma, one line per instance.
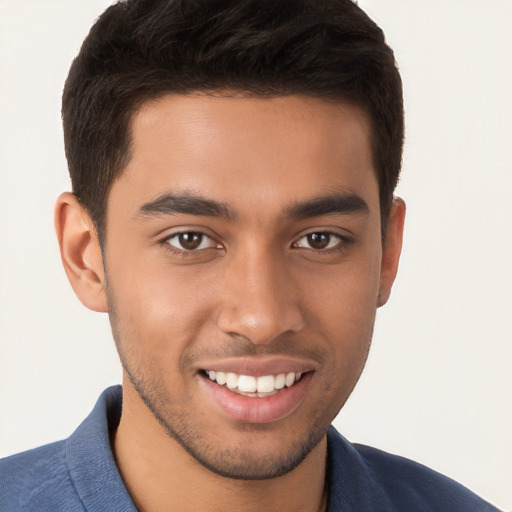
[251, 386]
[256, 390]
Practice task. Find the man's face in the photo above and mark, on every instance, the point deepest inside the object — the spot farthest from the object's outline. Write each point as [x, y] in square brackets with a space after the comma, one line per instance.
[243, 245]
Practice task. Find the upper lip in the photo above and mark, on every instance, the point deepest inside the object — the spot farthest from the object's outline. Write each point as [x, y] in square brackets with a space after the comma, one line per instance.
[259, 367]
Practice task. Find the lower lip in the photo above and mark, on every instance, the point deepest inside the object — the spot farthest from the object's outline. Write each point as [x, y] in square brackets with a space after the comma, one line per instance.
[254, 409]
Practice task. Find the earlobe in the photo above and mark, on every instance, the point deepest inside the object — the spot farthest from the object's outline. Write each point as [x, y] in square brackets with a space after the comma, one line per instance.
[80, 252]
[392, 249]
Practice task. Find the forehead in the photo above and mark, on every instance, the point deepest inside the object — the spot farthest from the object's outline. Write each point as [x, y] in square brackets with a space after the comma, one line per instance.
[248, 151]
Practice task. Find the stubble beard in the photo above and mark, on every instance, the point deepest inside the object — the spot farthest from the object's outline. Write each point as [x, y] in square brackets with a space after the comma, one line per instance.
[233, 463]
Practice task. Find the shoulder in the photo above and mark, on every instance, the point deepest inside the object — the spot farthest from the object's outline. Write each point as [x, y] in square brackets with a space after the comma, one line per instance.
[74, 475]
[410, 483]
[38, 480]
[395, 483]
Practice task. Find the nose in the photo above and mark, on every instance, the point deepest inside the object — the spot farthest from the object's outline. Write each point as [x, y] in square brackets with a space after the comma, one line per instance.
[261, 302]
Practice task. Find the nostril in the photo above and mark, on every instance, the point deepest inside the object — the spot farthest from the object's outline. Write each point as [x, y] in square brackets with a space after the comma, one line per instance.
[260, 326]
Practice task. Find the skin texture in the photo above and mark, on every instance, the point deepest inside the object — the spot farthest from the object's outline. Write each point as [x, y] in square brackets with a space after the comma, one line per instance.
[256, 293]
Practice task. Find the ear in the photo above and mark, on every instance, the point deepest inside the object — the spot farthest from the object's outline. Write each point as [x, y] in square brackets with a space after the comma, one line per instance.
[80, 252]
[392, 249]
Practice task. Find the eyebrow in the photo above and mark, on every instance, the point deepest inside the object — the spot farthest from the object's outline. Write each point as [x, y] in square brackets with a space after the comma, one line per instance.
[170, 204]
[336, 204]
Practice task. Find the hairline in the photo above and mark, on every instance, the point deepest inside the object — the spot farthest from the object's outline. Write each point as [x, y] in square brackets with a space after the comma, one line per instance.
[142, 101]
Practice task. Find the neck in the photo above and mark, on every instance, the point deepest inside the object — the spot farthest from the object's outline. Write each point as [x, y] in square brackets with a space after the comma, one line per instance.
[159, 474]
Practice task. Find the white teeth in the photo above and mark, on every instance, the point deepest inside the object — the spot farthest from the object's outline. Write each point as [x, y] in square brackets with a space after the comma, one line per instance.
[290, 379]
[280, 381]
[248, 384]
[231, 380]
[265, 384]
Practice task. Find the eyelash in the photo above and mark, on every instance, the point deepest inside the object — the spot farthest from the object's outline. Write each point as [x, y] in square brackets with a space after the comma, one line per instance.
[341, 245]
[183, 252]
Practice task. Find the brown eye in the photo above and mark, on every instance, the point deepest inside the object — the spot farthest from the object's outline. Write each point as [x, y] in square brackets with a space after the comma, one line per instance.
[190, 241]
[319, 241]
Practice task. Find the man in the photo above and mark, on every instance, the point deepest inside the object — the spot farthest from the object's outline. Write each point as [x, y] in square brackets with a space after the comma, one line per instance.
[233, 168]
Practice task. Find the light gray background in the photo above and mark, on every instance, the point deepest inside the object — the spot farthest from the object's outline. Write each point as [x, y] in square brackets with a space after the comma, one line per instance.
[438, 384]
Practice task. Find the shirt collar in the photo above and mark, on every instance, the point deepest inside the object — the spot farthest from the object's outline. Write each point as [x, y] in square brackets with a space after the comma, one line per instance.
[98, 482]
[90, 460]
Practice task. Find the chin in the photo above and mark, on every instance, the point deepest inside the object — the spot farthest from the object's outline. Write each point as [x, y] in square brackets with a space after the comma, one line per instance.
[250, 463]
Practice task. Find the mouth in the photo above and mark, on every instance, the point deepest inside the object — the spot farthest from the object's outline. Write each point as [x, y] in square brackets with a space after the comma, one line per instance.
[254, 386]
[257, 393]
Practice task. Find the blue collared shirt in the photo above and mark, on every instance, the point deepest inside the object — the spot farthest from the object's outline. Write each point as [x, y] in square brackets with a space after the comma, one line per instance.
[80, 475]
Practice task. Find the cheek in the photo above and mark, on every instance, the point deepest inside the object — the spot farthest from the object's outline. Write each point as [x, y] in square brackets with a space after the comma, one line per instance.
[159, 313]
[347, 296]
[345, 314]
